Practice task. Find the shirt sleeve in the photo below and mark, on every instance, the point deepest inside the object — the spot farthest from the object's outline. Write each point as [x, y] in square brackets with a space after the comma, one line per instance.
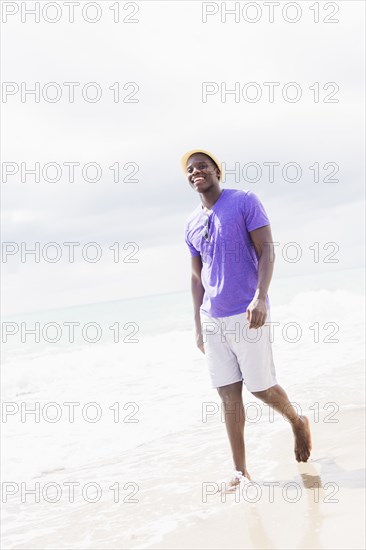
[192, 249]
[254, 213]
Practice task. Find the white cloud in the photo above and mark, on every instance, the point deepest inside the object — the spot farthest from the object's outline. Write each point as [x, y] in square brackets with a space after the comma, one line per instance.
[170, 53]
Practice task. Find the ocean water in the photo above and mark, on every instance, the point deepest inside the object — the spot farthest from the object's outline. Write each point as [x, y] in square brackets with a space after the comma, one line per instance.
[134, 404]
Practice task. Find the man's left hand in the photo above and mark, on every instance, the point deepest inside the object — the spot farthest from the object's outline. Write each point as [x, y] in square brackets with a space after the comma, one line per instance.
[257, 313]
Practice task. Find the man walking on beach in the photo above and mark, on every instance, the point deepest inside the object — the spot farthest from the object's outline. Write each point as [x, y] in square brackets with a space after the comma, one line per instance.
[232, 253]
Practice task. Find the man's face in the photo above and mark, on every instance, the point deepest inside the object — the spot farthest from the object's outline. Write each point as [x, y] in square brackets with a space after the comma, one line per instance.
[202, 172]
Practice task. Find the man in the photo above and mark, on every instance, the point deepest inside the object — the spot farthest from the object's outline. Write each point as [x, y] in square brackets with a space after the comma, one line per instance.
[230, 241]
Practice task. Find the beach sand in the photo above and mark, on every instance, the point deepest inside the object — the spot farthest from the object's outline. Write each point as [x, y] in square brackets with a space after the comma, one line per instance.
[319, 504]
[330, 517]
[325, 508]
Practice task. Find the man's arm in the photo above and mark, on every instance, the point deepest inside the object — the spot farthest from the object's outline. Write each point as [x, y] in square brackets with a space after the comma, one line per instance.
[263, 243]
[197, 295]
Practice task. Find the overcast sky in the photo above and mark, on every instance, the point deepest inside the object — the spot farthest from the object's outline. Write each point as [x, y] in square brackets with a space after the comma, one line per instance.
[169, 53]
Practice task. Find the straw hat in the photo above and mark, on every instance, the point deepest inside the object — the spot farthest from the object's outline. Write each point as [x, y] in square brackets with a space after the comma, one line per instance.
[185, 158]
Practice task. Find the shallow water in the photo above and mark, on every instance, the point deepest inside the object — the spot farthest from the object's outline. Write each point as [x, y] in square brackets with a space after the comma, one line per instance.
[142, 415]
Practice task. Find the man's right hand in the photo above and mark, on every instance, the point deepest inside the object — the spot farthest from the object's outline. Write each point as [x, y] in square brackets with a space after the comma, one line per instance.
[199, 341]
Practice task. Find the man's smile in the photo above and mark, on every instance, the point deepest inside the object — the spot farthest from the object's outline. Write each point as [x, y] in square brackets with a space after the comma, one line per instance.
[198, 179]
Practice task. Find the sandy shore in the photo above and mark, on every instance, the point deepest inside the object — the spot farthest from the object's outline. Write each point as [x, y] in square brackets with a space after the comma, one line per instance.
[318, 505]
[324, 508]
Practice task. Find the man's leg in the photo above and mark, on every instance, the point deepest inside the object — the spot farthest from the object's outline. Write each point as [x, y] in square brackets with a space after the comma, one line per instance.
[232, 402]
[276, 397]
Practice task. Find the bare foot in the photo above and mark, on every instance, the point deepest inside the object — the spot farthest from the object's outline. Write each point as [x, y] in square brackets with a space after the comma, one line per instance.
[303, 444]
[247, 475]
[236, 480]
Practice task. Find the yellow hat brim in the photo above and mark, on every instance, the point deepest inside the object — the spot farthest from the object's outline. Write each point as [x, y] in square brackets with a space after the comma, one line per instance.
[185, 158]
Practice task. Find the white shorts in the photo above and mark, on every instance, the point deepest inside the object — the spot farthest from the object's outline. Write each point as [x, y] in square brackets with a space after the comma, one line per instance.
[236, 353]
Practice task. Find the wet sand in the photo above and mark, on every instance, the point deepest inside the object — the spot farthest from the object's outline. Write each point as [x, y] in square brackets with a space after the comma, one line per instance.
[314, 505]
[323, 508]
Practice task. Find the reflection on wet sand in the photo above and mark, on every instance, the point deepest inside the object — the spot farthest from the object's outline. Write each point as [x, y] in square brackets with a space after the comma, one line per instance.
[311, 481]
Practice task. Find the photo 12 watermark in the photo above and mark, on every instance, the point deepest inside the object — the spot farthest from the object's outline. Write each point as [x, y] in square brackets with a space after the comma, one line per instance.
[269, 92]
[291, 252]
[69, 92]
[69, 252]
[270, 491]
[289, 172]
[69, 172]
[70, 12]
[69, 332]
[254, 411]
[290, 332]
[270, 12]
[69, 491]
[53, 412]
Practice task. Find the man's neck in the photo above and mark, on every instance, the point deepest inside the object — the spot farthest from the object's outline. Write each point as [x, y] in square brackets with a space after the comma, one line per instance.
[208, 199]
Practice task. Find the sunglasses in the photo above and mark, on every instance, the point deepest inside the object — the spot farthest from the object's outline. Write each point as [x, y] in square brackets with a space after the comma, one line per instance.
[207, 228]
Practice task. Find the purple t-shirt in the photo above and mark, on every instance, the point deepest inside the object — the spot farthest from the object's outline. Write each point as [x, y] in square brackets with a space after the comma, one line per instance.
[229, 261]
